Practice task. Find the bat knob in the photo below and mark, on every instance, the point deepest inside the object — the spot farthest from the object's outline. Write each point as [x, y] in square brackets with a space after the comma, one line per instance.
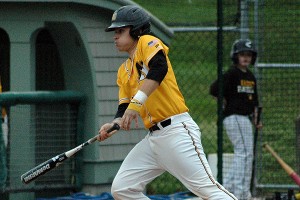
[265, 144]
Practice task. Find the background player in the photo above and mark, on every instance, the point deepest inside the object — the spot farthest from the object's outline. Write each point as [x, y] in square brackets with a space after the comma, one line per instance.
[148, 89]
[240, 105]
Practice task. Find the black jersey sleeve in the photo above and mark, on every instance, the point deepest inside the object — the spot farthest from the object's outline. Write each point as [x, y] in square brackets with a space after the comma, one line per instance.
[158, 67]
[214, 87]
[121, 110]
[213, 90]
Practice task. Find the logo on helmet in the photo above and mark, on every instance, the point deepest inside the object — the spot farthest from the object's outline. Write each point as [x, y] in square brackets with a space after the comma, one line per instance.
[248, 44]
[114, 17]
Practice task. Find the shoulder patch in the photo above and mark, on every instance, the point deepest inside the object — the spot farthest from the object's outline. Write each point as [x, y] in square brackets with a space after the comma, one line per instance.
[152, 43]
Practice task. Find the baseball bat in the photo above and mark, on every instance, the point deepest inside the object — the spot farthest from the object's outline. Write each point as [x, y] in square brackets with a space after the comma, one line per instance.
[256, 129]
[52, 163]
[259, 110]
[284, 165]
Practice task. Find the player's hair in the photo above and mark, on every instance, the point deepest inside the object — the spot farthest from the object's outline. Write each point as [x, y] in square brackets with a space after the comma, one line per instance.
[137, 32]
[240, 46]
[133, 16]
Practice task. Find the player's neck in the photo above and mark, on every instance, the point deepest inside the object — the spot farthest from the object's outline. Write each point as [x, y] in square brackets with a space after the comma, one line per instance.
[242, 68]
[132, 49]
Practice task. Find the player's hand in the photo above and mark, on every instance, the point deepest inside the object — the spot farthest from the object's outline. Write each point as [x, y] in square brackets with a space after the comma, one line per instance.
[128, 117]
[103, 135]
[259, 126]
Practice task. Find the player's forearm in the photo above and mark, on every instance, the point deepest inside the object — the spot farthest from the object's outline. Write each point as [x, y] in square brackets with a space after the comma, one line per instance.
[142, 95]
[149, 86]
[117, 120]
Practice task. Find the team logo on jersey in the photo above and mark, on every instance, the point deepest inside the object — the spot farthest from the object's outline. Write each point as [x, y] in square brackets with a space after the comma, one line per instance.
[246, 87]
[142, 70]
[144, 73]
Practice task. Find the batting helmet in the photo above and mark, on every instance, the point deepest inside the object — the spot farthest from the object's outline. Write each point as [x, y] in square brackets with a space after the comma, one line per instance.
[240, 46]
[132, 16]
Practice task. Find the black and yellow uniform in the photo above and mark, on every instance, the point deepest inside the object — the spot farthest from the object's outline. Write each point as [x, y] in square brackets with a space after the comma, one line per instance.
[166, 100]
[240, 92]
[173, 142]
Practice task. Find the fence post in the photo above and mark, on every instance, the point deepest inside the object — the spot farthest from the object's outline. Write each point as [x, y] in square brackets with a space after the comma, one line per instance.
[220, 86]
[298, 143]
[244, 19]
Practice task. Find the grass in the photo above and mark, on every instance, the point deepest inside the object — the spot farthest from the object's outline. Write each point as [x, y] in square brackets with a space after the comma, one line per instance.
[186, 12]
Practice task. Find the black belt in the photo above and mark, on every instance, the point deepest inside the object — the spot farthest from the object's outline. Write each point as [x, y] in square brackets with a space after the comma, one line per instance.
[162, 123]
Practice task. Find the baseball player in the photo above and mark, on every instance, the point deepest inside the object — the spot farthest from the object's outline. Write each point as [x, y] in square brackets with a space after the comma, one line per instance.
[240, 105]
[148, 89]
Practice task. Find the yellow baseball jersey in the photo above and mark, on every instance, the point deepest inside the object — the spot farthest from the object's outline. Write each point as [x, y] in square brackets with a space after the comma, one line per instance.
[166, 100]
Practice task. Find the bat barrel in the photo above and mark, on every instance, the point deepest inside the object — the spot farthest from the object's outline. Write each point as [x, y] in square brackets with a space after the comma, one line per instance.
[55, 161]
[295, 177]
[284, 165]
[36, 172]
[43, 168]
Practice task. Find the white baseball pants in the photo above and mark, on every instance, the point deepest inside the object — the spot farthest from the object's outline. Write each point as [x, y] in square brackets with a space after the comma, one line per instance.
[238, 179]
[177, 149]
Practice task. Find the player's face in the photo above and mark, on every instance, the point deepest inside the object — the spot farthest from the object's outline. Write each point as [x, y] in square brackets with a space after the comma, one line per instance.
[245, 58]
[123, 40]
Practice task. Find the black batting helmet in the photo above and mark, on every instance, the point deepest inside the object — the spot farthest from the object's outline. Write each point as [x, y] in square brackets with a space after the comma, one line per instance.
[133, 16]
[240, 46]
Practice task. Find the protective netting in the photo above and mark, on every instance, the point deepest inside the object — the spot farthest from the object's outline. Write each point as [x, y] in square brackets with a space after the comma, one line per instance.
[36, 134]
[38, 126]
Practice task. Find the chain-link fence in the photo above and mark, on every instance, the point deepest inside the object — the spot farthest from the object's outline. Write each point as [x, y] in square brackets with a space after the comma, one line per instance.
[273, 25]
[35, 123]
[278, 73]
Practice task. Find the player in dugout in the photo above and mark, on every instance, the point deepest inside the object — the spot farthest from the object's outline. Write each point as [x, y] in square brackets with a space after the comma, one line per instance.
[148, 89]
[239, 115]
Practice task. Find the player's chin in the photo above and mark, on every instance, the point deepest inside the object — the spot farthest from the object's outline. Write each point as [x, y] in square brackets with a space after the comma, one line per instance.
[119, 47]
[246, 63]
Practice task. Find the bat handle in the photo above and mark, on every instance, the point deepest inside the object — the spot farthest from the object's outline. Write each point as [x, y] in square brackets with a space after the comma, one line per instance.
[257, 119]
[113, 128]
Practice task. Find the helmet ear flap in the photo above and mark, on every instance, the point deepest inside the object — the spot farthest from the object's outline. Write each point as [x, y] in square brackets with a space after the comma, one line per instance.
[136, 33]
[234, 58]
[254, 58]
